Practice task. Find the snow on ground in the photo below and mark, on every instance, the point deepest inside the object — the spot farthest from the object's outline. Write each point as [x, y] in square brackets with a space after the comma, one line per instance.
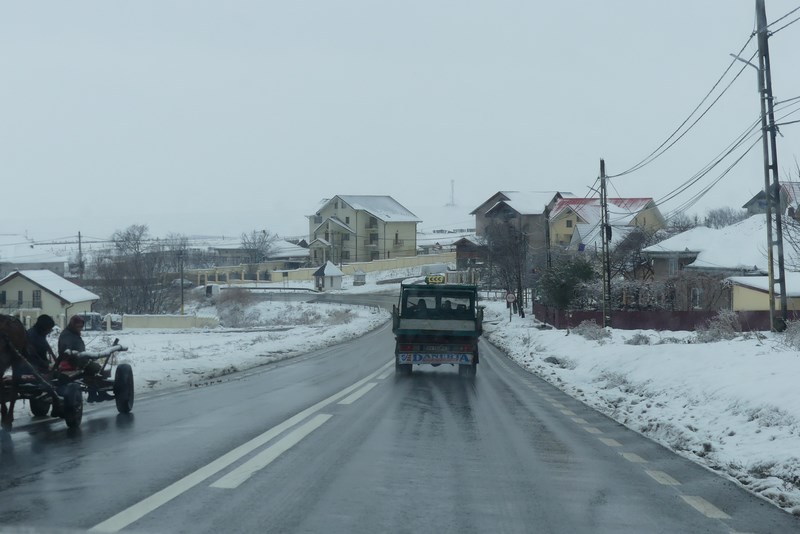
[732, 406]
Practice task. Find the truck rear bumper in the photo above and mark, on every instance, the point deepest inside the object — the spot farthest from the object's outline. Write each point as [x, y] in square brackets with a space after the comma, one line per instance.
[423, 358]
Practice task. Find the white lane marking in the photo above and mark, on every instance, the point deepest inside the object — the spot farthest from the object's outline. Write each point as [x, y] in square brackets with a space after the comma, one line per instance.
[662, 478]
[579, 420]
[634, 458]
[592, 430]
[239, 475]
[145, 506]
[558, 405]
[704, 507]
[567, 412]
[611, 442]
[385, 374]
[358, 394]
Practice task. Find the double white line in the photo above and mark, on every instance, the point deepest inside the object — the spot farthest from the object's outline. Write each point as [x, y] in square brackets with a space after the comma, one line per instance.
[246, 470]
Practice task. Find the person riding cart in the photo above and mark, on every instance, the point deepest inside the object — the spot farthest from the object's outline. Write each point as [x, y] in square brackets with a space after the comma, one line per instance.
[68, 364]
[38, 350]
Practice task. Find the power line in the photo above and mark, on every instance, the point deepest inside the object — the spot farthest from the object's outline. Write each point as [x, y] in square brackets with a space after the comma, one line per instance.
[658, 151]
[783, 17]
[786, 25]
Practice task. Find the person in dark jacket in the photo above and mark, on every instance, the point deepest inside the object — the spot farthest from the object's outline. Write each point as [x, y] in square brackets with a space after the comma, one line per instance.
[70, 339]
[39, 352]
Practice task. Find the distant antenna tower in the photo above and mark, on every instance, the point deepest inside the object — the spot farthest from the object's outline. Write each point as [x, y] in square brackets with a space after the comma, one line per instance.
[452, 194]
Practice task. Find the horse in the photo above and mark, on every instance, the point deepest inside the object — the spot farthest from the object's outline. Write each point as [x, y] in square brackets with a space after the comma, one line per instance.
[13, 343]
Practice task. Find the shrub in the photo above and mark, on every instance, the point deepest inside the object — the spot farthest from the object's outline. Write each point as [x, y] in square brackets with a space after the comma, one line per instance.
[638, 339]
[791, 335]
[725, 325]
[592, 331]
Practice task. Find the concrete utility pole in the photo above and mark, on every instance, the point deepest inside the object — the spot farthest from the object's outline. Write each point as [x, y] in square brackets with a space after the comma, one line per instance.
[772, 188]
[605, 231]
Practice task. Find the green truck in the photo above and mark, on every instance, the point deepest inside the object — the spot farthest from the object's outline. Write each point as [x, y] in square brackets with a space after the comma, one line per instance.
[435, 323]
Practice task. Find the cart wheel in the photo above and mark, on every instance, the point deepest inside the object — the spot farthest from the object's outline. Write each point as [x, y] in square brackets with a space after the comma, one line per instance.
[123, 388]
[40, 407]
[73, 405]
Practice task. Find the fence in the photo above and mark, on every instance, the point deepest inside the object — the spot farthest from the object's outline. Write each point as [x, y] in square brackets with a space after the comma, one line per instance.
[651, 320]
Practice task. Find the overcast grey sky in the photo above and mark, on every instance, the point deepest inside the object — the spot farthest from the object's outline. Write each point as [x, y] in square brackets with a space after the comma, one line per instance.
[207, 117]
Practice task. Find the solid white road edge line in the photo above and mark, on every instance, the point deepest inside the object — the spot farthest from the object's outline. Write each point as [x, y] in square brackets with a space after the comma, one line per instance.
[154, 501]
[239, 475]
[358, 394]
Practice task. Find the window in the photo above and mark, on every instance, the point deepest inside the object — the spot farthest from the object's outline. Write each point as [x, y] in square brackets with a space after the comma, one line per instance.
[569, 223]
[37, 298]
[345, 254]
[672, 268]
[346, 237]
[19, 298]
[2, 298]
[347, 220]
[697, 295]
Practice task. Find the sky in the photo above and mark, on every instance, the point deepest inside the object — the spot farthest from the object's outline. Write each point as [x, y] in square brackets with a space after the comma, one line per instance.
[731, 405]
[209, 118]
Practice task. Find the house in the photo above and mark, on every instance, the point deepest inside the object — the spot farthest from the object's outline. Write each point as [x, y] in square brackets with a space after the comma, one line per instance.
[525, 212]
[21, 253]
[789, 198]
[470, 253]
[623, 213]
[751, 293]
[328, 276]
[698, 260]
[31, 293]
[353, 228]
[528, 207]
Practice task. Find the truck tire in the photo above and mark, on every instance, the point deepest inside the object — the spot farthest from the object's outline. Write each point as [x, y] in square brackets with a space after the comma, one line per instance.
[402, 368]
[468, 370]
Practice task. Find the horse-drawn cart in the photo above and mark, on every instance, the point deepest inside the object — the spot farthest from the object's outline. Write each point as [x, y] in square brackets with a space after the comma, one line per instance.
[60, 393]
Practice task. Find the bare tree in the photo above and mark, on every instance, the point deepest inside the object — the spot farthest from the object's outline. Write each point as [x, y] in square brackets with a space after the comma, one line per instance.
[722, 217]
[258, 245]
[507, 256]
[129, 273]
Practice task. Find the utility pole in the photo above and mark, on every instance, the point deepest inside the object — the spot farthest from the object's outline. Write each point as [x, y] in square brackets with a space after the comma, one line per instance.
[180, 257]
[80, 258]
[772, 188]
[605, 231]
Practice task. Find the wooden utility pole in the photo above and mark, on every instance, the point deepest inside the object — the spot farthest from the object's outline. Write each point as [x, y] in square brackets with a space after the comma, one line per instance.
[605, 232]
[772, 188]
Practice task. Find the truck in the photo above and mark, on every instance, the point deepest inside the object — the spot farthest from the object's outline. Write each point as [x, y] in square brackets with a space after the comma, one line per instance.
[436, 323]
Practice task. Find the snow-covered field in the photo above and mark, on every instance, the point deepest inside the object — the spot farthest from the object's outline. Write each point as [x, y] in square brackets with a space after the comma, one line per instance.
[733, 406]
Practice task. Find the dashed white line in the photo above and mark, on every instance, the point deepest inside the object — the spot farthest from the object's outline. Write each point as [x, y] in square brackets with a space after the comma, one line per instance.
[579, 420]
[633, 458]
[358, 394]
[567, 412]
[610, 442]
[145, 506]
[592, 430]
[662, 478]
[704, 507]
[239, 475]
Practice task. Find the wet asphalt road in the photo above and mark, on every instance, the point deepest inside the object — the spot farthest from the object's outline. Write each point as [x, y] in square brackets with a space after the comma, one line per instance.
[334, 442]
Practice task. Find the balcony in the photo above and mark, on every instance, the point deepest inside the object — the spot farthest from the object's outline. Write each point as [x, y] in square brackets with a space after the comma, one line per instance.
[398, 243]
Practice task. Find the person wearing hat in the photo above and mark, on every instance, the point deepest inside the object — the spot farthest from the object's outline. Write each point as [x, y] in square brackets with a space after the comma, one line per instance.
[70, 339]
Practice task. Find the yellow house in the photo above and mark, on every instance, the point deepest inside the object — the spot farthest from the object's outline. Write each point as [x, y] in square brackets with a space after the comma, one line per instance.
[569, 213]
[356, 228]
[751, 293]
[31, 293]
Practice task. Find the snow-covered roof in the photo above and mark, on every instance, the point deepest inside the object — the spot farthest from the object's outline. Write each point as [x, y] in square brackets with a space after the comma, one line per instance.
[20, 249]
[383, 207]
[525, 202]
[761, 283]
[336, 222]
[58, 286]
[444, 239]
[329, 269]
[740, 246]
[621, 211]
[284, 249]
